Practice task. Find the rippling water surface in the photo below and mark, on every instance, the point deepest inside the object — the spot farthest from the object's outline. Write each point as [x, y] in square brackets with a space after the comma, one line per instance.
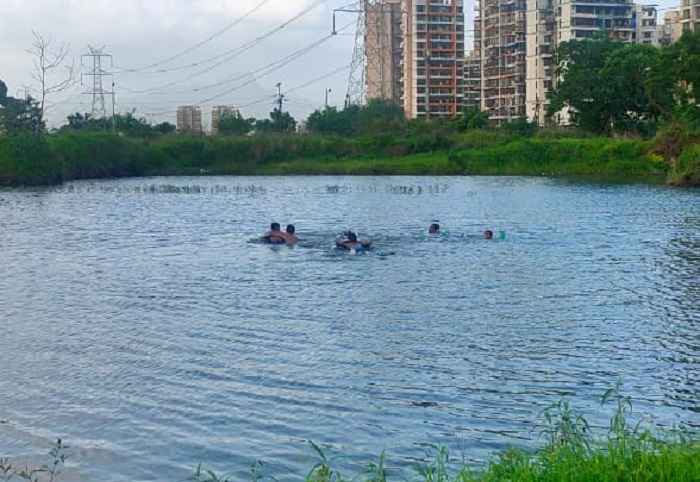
[140, 324]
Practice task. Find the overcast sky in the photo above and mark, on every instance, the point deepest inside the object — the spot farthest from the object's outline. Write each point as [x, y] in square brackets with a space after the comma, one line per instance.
[139, 33]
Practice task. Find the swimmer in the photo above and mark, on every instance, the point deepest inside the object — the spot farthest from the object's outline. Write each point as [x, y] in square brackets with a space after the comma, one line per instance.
[275, 235]
[290, 235]
[434, 229]
[352, 243]
[488, 234]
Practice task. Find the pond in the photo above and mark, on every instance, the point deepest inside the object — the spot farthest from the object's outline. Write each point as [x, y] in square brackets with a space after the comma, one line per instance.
[141, 325]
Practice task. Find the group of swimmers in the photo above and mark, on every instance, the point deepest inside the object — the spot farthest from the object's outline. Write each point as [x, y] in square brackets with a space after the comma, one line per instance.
[349, 242]
[435, 229]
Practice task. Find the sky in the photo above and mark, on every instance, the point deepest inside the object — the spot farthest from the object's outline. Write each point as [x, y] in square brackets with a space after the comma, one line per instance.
[142, 35]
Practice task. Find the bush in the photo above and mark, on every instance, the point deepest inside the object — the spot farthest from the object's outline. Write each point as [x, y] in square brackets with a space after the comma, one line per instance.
[686, 170]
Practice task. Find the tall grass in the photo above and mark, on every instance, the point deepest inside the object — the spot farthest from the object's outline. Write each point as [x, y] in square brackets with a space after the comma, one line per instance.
[602, 157]
[27, 159]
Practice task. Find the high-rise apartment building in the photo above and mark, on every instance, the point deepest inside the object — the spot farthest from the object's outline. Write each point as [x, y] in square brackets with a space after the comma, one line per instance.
[189, 119]
[690, 15]
[472, 81]
[646, 24]
[503, 52]
[551, 22]
[217, 112]
[672, 28]
[415, 55]
[433, 58]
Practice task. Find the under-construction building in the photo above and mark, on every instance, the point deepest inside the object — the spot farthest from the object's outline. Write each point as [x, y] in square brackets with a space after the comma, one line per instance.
[383, 48]
[415, 55]
[189, 119]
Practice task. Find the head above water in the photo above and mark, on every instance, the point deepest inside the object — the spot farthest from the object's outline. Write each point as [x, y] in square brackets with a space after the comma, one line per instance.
[351, 236]
[434, 228]
[275, 227]
[291, 229]
[488, 234]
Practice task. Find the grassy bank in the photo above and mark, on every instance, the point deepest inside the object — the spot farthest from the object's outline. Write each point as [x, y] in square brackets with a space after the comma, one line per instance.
[572, 452]
[29, 160]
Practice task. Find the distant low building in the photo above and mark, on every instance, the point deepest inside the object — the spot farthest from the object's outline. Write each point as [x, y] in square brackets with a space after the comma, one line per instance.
[189, 119]
[219, 111]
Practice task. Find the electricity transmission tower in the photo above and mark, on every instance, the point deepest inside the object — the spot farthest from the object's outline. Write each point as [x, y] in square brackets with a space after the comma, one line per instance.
[371, 71]
[95, 84]
[357, 88]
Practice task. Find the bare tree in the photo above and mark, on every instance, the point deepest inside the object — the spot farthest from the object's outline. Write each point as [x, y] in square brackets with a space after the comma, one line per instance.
[48, 60]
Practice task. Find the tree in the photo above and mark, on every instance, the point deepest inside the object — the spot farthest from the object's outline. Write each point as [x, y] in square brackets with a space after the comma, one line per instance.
[380, 115]
[18, 115]
[377, 116]
[282, 122]
[234, 124]
[3, 92]
[473, 118]
[581, 87]
[21, 115]
[673, 83]
[164, 128]
[47, 60]
[332, 121]
[127, 124]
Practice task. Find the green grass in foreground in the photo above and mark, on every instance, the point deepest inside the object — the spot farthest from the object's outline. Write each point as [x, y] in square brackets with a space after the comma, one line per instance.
[626, 453]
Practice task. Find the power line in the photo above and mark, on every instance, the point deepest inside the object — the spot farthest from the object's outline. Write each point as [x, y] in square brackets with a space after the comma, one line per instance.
[201, 43]
[228, 55]
[276, 66]
[260, 72]
[269, 98]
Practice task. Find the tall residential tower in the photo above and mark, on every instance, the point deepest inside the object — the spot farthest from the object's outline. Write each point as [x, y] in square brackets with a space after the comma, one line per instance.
[415, 55]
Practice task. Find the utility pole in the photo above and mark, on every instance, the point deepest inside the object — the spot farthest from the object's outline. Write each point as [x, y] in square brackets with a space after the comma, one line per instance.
[114, 119]
[280, 98]
[95, 82]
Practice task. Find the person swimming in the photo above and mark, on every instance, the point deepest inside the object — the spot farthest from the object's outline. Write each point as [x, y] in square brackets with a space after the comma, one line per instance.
[351, 242]
[488, 234]
[434, 229]
[290, 235]
[275, 235]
